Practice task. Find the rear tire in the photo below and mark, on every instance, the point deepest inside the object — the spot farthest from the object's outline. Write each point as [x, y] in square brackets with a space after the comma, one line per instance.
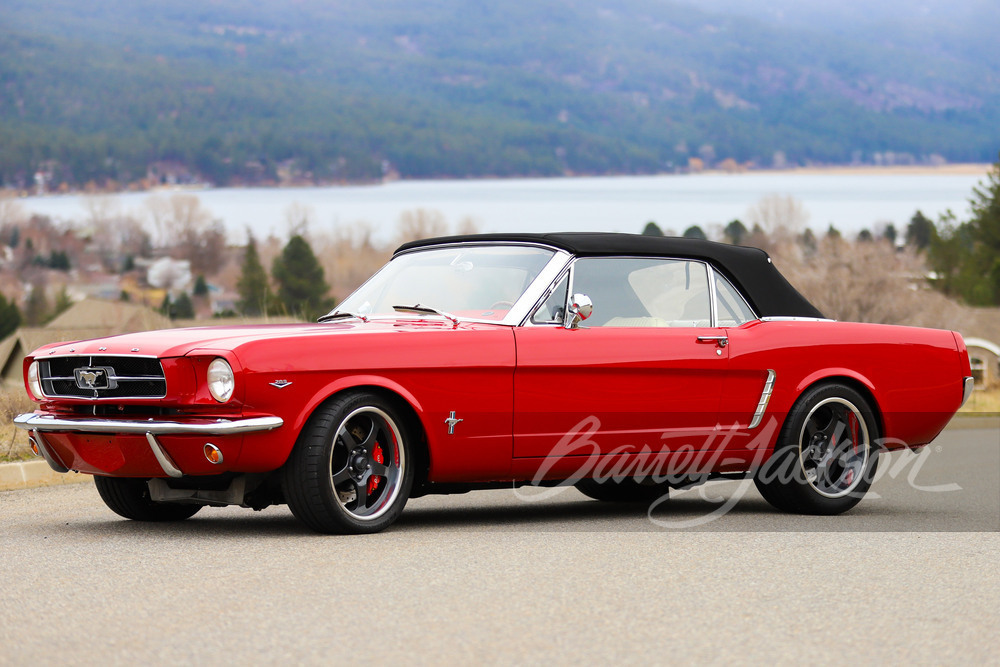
[825, 457]
[129, 498]
[352, 467]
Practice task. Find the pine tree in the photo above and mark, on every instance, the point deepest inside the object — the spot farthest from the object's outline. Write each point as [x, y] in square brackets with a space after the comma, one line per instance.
[920, 231]
[36, 309]
[10, 317]
[63, 303]
[652, 229]
[890, 234]
[182, 308]
[694, 232]
[735, 232]
[301, 285]
[254, 290]
[985, 224]
[200, 286]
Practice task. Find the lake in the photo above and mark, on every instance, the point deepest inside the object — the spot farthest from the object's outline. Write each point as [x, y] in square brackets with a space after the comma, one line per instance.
[849, 200]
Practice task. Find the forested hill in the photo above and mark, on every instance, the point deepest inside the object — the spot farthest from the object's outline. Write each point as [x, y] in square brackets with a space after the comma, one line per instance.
[231, 91]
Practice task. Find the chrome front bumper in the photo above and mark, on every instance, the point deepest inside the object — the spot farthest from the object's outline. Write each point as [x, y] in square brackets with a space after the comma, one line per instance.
[39, 424]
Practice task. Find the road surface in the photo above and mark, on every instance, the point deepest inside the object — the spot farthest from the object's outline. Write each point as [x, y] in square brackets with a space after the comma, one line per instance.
[500, 577]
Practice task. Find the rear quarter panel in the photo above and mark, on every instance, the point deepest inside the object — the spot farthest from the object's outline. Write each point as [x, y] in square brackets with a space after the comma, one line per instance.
[914, 375]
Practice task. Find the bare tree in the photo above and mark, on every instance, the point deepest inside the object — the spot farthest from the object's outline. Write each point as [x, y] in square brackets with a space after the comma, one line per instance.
[468, 225]
[420, 224]
[857, 282]
[350, 255]
[781, 217]
[188, 230]
[11, 211]
[298, 218]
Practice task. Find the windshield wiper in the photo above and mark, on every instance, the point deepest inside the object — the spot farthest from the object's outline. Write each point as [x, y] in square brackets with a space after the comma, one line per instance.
[338, 315]
[419, 308]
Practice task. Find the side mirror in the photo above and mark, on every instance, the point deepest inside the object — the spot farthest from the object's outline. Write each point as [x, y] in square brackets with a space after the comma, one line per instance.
[580, 308]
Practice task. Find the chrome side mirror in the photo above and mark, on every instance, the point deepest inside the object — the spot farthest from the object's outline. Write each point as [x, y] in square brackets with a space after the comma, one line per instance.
[580, 308]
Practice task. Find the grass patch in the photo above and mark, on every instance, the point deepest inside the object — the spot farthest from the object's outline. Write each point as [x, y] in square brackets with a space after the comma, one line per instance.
[13, 441]
[983, 401]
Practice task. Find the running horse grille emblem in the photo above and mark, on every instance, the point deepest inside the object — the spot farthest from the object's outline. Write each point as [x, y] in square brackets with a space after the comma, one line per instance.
[95, 378]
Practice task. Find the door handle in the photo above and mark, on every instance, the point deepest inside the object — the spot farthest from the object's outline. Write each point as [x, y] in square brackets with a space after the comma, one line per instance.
[721, 341]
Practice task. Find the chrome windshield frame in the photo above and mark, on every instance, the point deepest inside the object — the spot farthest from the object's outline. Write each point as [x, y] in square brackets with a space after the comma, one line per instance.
[522, 307]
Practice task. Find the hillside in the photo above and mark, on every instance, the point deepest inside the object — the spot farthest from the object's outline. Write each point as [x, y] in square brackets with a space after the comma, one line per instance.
[317, 90]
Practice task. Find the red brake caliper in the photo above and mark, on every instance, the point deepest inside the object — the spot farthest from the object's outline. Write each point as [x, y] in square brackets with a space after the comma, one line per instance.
[375, 480]
[852, 422]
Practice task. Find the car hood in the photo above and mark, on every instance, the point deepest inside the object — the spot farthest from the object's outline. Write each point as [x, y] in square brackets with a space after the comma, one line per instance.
[179, 342]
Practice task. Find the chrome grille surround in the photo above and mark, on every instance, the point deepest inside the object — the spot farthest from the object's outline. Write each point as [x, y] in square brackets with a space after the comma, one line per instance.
[102, 377]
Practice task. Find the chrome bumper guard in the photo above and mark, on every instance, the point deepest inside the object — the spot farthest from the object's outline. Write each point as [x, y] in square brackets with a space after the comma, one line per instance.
[968, 385]
[38, 424]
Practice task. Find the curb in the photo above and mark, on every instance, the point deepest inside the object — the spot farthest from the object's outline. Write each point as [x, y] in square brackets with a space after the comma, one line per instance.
[32, 474]
[974, 420]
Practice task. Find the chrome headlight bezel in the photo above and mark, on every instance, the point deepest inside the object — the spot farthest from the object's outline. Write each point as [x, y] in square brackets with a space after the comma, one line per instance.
[34, 381]
[221, 380]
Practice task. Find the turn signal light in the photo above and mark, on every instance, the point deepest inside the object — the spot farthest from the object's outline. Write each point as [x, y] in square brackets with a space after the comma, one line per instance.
[213, 453]
[34, 446]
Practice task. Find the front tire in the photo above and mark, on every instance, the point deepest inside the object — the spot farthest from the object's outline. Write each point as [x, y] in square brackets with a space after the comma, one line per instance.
[352, 468]
[129, 498]
[825, 457]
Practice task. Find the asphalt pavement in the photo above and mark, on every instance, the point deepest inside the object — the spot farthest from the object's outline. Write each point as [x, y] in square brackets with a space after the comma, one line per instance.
[504, 577]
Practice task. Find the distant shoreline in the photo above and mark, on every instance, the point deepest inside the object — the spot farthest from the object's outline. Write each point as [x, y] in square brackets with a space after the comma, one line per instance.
[950, 169]
[963, 169]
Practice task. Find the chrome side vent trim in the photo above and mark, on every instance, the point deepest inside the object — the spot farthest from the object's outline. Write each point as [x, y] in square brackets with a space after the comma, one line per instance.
[765, 397]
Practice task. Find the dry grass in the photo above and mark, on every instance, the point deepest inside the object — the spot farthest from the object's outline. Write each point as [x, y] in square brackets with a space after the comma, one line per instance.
[983, 401]
[13, 441]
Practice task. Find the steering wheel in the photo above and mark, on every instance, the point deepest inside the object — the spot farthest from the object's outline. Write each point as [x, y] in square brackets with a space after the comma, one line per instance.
[502, 305]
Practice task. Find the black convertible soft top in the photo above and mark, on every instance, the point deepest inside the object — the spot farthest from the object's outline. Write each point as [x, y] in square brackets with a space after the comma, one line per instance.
[750, 269]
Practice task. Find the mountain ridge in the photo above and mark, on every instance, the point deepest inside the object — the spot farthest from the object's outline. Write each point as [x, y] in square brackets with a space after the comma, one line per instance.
[330, 91]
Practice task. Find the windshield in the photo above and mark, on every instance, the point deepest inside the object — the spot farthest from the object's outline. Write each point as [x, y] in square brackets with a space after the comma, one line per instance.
[475, 282]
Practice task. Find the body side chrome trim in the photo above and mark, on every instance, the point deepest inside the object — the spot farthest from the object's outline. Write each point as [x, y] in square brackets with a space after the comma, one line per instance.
[765, 397]
[32, 421]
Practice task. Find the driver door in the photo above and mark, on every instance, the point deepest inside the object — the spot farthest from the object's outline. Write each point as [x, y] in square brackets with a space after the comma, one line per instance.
[645, 372]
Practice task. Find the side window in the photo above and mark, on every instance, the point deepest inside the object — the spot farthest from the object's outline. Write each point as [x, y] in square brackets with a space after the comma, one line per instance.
[732, 308]
[638, 292]
[553, 309]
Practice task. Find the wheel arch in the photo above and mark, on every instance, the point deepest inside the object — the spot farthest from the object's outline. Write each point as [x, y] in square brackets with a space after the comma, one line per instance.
[391, 392]
[855, 382]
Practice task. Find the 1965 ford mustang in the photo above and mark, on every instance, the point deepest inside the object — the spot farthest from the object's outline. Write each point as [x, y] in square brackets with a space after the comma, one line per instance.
[626, 365]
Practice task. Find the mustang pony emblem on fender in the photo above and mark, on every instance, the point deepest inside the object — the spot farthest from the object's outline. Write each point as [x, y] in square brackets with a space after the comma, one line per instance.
[452, 422]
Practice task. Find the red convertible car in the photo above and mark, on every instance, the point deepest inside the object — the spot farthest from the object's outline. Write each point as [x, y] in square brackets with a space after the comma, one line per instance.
[626, 365]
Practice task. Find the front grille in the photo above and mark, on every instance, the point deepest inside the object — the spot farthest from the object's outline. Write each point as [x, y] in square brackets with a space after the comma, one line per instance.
[102, 377]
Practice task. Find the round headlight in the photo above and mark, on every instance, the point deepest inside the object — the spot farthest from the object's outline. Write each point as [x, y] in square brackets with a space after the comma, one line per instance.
[34, 384]
[220, 380]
